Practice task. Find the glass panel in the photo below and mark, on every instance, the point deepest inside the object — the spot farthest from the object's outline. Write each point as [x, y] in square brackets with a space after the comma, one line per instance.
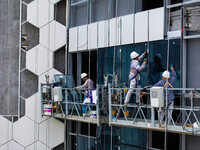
[158, 60]
[79, 15]
[131, 136]
[82, 143]
[125, 7]
[99, 10]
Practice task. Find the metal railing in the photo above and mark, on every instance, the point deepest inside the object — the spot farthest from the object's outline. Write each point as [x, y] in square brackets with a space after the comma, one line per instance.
[73, 102]
[185, 118]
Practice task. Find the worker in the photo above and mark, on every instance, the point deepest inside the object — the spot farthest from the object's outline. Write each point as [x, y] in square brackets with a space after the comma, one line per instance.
[166, 82]
[134, 76]
[89, 84]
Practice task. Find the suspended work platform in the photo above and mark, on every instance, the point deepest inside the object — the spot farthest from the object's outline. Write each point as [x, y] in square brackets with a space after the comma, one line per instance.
[68, 103]
[184, 119]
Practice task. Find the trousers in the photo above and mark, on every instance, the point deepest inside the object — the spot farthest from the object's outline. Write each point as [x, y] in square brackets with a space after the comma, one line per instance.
[133, 84]
[161, 113]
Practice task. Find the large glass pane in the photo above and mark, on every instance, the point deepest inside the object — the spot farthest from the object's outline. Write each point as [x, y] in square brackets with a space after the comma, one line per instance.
[125, 7]
[79, 15]
[105, 64]
[132, 136]
[99, 10]
[158, 60]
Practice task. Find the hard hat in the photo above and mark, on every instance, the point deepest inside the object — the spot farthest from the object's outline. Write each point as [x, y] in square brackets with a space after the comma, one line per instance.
[166, 74]
[83, 75]
[134, 55]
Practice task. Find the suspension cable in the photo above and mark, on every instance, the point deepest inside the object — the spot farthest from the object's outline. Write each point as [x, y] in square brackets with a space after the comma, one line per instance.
[166, 110]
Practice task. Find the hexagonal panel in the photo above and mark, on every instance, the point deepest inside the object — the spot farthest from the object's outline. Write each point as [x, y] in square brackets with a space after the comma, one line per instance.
[39, 60]
[53, 36]
[25, 131]
[40, 12]
[5, 130]
[60, 12]
[12, 145]
[33, 34]
[33, 108]
[29, 84]
[51, 73]
[59, 60]
[38, 145]
[51, 132]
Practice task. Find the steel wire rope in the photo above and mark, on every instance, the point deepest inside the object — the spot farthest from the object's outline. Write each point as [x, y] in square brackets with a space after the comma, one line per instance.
[166, 88]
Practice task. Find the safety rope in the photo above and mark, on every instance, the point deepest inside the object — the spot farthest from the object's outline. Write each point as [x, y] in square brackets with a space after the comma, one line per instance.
[166, 111]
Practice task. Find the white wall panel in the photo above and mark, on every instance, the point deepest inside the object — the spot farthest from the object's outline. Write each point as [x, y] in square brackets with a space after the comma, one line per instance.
[82, 37]
[54, 136]
[5, 130]
[25, 131]
[141, 27]
[73, 39]
[12, 145]
[156, 24]
[53, 36]
[103, 34]
[33, 108]
[40, 12]
[114, 32]
[127, 29]
[39, 59]
[92, 36]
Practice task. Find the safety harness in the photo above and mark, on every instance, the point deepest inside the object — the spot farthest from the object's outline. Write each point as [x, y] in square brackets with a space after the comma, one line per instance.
[135, 77]
[170, 102]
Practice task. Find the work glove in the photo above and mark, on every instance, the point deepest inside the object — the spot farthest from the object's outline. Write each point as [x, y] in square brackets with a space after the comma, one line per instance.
[171, 66]
[145, 60]
[147, 51]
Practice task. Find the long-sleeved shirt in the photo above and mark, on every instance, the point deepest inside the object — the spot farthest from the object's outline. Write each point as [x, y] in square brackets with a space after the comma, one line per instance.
[88, 85]
[162, 83]
[136, 67]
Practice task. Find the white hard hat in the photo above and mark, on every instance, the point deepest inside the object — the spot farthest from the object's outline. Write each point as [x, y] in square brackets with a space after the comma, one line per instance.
[134, 55]
[166, 74]
[83, 75]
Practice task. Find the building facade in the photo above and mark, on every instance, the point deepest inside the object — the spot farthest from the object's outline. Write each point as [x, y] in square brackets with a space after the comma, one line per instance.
[49, 37]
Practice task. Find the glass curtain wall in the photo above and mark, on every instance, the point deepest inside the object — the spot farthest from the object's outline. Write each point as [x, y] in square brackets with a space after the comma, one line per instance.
[113, 57]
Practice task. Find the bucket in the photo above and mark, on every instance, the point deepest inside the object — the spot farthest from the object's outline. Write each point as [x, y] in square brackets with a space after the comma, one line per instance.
[47, 109]
[93, 114]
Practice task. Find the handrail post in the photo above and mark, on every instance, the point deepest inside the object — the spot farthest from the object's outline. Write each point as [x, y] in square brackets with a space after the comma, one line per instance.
[42, 107]
[109, 104]
[97, 105]
[66, 102]
[152, 117]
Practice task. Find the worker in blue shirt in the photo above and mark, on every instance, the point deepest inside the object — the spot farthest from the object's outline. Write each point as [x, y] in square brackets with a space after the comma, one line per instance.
[167, 82]
[134, 76]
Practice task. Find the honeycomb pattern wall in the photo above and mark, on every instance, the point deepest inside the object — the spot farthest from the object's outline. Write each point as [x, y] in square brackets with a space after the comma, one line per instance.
[32, 131]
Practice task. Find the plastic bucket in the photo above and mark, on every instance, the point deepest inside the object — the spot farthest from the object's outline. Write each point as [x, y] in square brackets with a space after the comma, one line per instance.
[47, 109]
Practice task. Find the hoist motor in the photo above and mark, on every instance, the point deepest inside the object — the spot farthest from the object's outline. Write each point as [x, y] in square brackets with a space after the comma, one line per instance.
[157, 97]
[57, 93]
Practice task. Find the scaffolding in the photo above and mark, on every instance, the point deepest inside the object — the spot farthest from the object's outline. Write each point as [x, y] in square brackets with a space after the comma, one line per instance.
[71, 106]
[143, 115]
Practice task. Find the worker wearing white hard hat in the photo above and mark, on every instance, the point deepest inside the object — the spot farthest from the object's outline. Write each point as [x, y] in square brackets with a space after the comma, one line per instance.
[134, 76]
[167, 82]
[88, 82]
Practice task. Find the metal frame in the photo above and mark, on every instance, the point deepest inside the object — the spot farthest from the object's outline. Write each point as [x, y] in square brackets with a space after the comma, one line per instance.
[74, 104]
[140, 120]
